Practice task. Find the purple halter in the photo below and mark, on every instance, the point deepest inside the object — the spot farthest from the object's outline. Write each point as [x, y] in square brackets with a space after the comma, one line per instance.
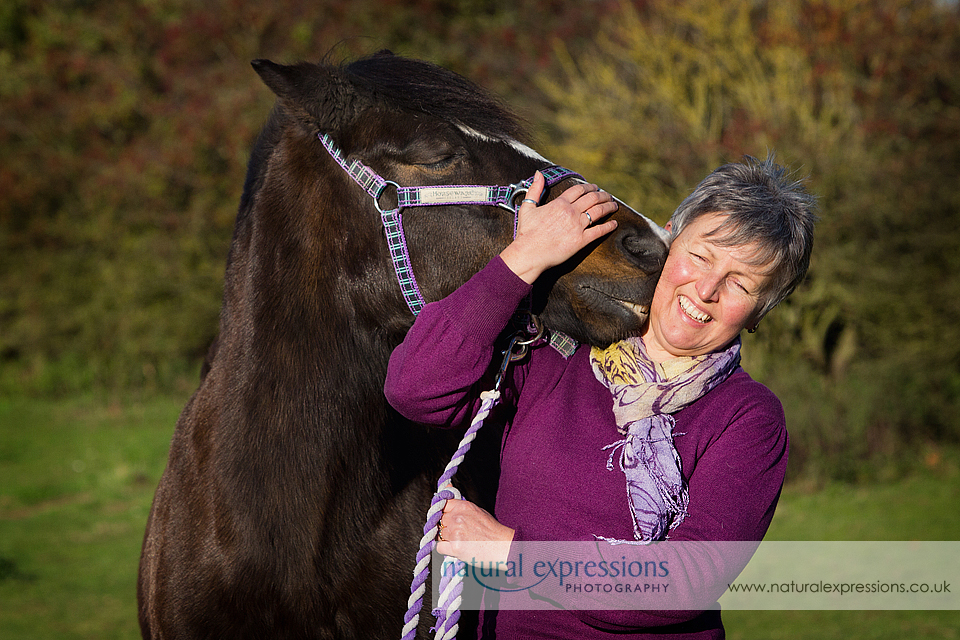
[424, 196]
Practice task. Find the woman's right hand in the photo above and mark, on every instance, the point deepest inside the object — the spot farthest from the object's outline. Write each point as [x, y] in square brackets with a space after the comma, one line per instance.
[551, 234]
[471, 534]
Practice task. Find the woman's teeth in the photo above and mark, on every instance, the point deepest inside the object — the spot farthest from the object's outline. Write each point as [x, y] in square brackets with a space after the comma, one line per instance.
[689, 308]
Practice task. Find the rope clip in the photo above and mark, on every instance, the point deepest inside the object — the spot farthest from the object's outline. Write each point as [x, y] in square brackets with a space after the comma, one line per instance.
[518, 346]
[534, 330]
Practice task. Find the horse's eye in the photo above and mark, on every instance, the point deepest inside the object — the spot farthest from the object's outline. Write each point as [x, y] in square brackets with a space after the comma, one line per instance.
[436, 164]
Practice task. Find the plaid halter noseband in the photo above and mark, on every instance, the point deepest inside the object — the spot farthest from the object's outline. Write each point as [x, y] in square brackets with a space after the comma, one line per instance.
[424, 196]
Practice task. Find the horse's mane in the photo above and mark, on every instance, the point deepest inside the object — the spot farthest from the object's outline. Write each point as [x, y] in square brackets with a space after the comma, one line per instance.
[415, 85]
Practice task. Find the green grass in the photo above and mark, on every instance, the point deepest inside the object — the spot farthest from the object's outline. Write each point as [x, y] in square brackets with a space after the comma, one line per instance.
[923, 506]
[76, 480]
[77, 477]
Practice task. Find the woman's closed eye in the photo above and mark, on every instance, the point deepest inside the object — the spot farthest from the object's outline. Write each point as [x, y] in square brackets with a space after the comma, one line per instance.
[741, 287]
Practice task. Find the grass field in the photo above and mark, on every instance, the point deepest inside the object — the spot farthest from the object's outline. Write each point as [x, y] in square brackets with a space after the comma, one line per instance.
[77, 477]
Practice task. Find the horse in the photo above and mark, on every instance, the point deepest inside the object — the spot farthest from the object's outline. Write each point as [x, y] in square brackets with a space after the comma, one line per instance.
[294, 497]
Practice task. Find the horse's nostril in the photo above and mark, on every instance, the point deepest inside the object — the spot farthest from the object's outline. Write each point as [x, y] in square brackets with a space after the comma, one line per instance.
[644, 250]
[635, 245]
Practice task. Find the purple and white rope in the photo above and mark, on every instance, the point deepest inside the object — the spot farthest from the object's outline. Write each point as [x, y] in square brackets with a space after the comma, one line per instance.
[448, 610]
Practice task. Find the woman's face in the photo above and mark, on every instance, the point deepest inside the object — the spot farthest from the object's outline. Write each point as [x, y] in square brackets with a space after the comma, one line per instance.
[707, 294]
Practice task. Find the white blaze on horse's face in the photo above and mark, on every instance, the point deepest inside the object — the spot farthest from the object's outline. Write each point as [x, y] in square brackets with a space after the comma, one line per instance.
[523, 149]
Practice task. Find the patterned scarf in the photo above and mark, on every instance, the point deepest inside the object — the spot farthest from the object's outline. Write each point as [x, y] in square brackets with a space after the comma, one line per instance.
[645, 393]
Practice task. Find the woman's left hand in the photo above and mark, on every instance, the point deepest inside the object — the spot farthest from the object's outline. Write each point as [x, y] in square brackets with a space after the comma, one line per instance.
[553, 233]
[471, 534]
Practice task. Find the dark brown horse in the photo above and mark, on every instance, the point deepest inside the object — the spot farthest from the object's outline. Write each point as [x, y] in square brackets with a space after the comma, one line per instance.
[294, 498]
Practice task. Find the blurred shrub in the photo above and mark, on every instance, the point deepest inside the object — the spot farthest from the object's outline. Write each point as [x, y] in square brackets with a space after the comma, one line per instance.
[124, 138]
[864, 98]
[125, 130]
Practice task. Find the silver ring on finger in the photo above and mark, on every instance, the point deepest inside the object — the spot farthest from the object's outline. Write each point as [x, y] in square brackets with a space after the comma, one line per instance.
[589, 217]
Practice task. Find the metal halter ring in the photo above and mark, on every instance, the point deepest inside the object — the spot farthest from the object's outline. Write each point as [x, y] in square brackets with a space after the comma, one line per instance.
[518, 347]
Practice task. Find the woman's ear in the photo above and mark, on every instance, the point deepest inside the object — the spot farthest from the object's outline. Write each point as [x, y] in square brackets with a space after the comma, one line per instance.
[669, 225]
[754, 322]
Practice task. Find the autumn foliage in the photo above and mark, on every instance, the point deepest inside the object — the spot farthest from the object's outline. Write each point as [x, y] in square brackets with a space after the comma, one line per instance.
[125, 129]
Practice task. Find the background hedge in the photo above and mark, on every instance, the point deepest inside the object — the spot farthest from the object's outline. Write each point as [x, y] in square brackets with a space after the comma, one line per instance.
[125, 129]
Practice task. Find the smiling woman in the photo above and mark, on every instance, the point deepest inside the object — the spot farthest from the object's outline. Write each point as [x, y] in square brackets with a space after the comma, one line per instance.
[701, 447]
[707, 293]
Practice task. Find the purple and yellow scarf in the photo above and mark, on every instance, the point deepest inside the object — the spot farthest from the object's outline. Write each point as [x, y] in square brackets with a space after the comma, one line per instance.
[645, 393]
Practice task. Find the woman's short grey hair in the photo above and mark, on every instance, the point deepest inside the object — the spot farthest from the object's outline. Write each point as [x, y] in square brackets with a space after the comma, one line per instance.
[764, 205]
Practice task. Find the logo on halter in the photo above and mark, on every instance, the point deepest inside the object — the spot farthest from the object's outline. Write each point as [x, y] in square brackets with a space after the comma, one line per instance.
[450, 195]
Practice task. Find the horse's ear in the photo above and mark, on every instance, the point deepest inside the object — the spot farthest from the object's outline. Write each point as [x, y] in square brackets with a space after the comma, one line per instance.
[316, 93]
[281, 79]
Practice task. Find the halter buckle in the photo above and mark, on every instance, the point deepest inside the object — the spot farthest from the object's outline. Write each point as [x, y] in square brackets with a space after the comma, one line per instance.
[379, 193]
[516, 190]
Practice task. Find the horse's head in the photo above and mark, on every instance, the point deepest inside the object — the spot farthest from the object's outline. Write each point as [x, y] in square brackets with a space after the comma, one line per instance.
[413, 123]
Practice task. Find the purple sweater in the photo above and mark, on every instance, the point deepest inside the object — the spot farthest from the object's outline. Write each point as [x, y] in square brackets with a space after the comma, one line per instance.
[554, 484]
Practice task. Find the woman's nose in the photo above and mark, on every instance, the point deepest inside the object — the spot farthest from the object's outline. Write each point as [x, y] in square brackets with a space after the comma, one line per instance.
[708, 286]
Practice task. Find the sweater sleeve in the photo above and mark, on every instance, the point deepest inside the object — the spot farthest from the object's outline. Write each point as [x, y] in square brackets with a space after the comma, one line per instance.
[433, 374]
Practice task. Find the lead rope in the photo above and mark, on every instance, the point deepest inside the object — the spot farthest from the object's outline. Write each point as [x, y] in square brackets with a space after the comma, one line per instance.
[447, 611]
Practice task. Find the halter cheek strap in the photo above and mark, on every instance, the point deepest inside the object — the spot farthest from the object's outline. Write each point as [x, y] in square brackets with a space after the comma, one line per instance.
[423, 196]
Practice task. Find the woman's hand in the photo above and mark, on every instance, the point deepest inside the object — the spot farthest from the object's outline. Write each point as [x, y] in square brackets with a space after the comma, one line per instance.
[553, 233]
[471, 534]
